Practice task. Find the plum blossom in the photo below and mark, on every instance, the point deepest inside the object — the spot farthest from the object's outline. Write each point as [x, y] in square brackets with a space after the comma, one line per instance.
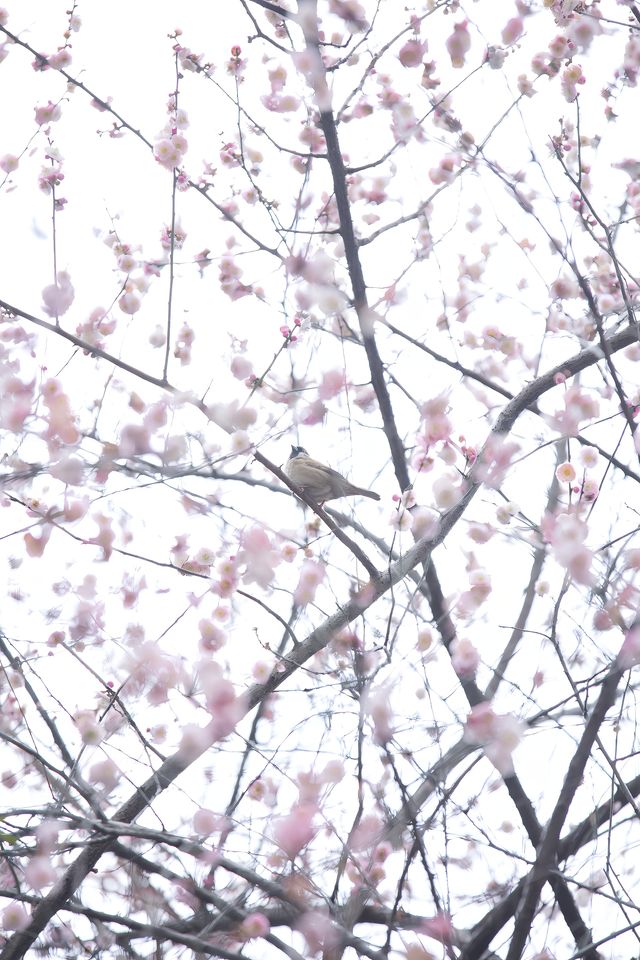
[351, 12]
[106, 773]
[412, 53]
[378, 707]
[225, 707]
[629, 654]
[446, 491]
[458, 43]
[512, 31]
[60, 59]
[205, 822]
[15, 917]
[425, 522]
[48, 113]
[447, 169]
[578, 406]
[571, 78]
[567, 536]
[167, 154]
[496, 459]
[259, 557]
[401, 519]
[296, 830]
[439, 928]
[498, 734]
[17, 399]
[319, 931]
[254, 926]
[332, 384]
[479, 590]
[566, 473]
[241, 368]
[232, 416]
[39, 872]
[130, 301]
[212, 638]
[58, 296]
[8, 163]
[437, 425]
[464, 657]
[60, 420]
[89, 727]
[311, 576]
[194, 741]
[589, 458]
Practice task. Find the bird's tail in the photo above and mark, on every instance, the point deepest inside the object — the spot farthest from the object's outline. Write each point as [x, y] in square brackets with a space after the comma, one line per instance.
[363, 493]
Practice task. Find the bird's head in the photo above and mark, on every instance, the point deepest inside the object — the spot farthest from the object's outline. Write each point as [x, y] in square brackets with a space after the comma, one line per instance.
[298, 452]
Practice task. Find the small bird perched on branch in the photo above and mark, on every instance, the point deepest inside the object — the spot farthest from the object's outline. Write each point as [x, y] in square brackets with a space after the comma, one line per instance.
[319, 481]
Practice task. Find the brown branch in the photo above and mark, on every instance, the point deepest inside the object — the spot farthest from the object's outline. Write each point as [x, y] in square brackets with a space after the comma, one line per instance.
[548, 848]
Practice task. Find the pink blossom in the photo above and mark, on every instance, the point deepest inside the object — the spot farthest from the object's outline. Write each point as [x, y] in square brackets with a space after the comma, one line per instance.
[15, 917]
[277, 103]
[8, 163]
[446, 492]
[512, 31]
[69, 470]
[496, 459]
[48, 114]
[332, 383]
[401, 520]
[629, 654]
[319, 931]
[130, 301]
[590, 490]
[241, 368]
[425, 522]
[458, 43]
[567, 534]
[106, 773]
[582, 30]
[35, 544]
[60, 421]
[412, 53]
[570, 79]
[311, 576]
[88, 727]
[39, 872]
[566, 473]
[225, 707]
[464, 657]
[351, 12]
[439, 928]
[296, 830]
[377, 705]
[60, 59]
[167, 153]
[254, 926]
[17, 403]
[259, 557]
[105, 536]
[205, 822]
[499, 735]
[58, 296]
[47, 834]
[134, 439]
[313, 413]
[212, 638]
[195, 740]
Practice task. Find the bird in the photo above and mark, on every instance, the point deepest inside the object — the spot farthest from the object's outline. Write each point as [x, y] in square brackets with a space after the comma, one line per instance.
[318, 481]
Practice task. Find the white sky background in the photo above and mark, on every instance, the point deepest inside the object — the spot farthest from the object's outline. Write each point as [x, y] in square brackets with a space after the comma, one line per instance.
[123, 51]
